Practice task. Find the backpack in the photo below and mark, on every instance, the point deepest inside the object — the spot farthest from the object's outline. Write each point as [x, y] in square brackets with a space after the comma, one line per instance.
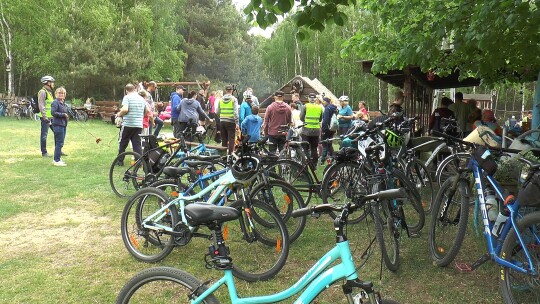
[34, 103]
[334, 123]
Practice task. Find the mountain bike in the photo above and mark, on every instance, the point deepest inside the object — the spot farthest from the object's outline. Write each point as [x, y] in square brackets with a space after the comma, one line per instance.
[165, 285]
[513, 239]
[152, 224]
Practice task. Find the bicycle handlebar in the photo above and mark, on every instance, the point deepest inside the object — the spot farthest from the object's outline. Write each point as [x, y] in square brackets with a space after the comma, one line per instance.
[326, 208]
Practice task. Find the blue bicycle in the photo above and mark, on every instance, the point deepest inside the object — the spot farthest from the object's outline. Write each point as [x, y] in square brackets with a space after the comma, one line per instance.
[512, 234]
[170, 285]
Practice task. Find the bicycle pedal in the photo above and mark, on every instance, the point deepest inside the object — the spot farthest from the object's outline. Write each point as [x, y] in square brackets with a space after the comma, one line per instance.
[463, 267]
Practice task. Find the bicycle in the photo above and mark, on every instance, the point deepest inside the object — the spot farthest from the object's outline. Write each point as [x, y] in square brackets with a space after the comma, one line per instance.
[76, 114]
[169, 284]
[152, 224]
[22, 110]
[146, 169]
[513, 244]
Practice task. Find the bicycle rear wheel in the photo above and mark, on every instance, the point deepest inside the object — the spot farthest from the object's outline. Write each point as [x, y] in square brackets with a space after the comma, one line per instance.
[162, 285]
[517, 287]
[127, 173]
[284, 199]
[449, 219]
[145, 244]
[259, 244]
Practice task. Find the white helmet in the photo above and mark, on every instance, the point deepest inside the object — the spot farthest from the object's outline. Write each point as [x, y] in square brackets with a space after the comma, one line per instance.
[46, 79]
[247, 95]
[344, 98]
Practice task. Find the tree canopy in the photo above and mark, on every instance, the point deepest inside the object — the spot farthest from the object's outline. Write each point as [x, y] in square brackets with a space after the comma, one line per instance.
[495, 40]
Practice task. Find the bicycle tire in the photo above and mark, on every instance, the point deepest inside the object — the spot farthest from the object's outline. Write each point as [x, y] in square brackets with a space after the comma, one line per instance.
[386, 231]
[82, 115]
[145, 244]
[519, 287]
[169, 282]
[419, 175]
[295, 174]
[412, 208]
[172, 187]
[441, 224]
[259, 251]
[126, 180]
[284, 199]
[338, 184]
[447, 167]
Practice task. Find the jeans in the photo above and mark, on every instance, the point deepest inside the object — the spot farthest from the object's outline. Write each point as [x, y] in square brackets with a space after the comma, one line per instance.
[276, 141]
[228, 132]
[128, 134]
[43, 138]
[59, 137]
[327, 148]
[313, 146]
[159, 125]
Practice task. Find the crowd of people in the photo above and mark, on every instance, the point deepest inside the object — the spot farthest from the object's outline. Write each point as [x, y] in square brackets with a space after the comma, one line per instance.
[319, 117]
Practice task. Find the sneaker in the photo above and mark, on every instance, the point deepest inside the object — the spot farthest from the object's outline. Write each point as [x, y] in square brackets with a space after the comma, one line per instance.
[59, 163]
[45, 155]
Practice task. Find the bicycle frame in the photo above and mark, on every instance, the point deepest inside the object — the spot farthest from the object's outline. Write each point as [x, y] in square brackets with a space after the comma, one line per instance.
[495, 249]
[217, 186]
[317, 279]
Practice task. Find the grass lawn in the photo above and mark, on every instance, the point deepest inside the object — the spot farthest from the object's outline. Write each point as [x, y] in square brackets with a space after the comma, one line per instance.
[60, 234]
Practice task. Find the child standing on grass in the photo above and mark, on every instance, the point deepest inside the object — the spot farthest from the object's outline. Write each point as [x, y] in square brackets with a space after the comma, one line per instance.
[251, 125]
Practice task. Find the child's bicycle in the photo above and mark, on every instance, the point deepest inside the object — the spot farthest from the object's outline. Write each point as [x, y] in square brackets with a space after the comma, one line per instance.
[170, 285]
[513, 240]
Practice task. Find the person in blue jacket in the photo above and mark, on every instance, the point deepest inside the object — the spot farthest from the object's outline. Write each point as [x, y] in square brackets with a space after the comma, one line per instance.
[252, 125]
[176, 97]
[245, 107]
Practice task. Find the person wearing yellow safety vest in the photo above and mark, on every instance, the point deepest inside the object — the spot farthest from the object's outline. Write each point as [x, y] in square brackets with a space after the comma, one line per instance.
[45, 100]
[311, 115]
[227, 111]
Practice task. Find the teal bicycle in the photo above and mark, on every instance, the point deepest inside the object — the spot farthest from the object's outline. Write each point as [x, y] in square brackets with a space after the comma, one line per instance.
[170, 285]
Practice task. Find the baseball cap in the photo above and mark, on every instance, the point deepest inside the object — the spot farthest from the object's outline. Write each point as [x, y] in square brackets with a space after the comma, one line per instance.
[279, 93]
[228, 88]
[327, 99]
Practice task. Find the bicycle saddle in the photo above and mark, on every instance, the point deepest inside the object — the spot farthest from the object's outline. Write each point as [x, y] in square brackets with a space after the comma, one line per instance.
[298, 143]
[176, 171]
[202, 213]
[197, 163]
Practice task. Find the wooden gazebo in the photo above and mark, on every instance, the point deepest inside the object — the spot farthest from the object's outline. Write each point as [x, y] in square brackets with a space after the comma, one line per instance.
[418, 87]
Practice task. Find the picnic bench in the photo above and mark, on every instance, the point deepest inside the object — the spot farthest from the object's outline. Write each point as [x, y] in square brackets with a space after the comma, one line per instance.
[107, 110]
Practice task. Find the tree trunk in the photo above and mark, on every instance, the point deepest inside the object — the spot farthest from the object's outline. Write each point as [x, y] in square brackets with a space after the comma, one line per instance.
[7, 37]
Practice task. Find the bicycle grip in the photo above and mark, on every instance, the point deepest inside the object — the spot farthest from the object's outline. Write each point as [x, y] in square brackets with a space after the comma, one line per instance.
[302, 212]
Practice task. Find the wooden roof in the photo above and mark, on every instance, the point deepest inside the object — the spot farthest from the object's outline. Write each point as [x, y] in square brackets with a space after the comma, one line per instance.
[308, 86]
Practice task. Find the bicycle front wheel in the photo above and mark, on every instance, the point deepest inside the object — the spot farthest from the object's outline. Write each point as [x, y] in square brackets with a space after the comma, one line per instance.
[387, 234]
[520, 287]
[295, 174]
[419, 175]
[162, 285]
[343, 184]
[127, 173]
[413, 212]
[449, 219]
[284, 199]
[146, 244]
[258, 241]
